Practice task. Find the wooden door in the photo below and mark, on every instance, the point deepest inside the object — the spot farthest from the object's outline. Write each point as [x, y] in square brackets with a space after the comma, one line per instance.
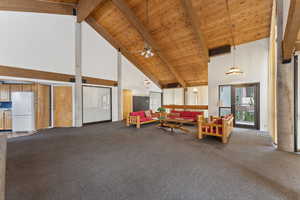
[63, 106]
[127, 103]
[43, 106]
[7, 120]
[4, 92]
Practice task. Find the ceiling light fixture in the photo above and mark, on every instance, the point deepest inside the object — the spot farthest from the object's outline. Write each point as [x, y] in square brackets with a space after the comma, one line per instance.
[233, 70]
[147, 51]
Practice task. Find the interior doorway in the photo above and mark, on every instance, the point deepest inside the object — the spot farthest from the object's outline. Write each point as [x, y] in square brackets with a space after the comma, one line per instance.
[243, 102]
[62, 106]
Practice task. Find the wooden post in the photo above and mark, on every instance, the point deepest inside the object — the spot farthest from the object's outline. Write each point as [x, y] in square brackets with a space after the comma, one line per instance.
[138, 121]
[199, 123]
[120, 91]
[224, 132]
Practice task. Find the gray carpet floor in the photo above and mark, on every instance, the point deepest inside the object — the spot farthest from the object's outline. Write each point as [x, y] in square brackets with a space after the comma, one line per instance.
[112, 162]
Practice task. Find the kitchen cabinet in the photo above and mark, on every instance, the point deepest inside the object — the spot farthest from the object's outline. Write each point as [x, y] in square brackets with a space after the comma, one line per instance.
[4, 92]
[7, 120]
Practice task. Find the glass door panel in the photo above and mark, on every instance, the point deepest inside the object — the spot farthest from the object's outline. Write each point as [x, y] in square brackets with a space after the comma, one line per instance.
[225, 100]
[245, 105]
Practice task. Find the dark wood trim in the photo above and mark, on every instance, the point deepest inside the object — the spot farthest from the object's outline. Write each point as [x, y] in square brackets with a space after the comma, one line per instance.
[52, 76]
[99, 81]
[36, 6]
[220, 50]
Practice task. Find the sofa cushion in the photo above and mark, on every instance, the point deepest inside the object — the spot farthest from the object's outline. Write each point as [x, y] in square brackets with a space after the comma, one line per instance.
[187, 114]
[139, 113]
[176, 111]
[189, 118]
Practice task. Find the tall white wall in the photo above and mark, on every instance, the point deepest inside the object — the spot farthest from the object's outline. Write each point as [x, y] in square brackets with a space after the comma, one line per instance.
[252, 58]
[37, 41]
[47, 42]
[99, 58]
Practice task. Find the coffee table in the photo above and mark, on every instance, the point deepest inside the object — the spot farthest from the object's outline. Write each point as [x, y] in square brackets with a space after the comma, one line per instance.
[174, 123]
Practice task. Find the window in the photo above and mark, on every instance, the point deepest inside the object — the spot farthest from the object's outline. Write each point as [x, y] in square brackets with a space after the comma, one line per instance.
[173, 96]
[155, 100]
[224, 100]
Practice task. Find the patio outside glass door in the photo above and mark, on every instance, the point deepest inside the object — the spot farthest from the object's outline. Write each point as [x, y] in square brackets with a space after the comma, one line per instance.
[246, 105]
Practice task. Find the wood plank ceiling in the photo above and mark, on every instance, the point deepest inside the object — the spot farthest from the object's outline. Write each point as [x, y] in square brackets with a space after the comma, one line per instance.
[180, 31]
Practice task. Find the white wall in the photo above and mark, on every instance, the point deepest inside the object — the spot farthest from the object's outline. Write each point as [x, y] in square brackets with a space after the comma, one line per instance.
[37, 41]
[99, 58]
[197, 95]
[47, 42]
[252, 58]
[133, 79]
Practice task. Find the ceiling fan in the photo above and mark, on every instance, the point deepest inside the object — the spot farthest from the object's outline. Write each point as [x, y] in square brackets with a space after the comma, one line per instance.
[147, 51]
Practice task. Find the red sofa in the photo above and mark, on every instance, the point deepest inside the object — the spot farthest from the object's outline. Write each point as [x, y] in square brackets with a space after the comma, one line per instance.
[185, 115]
[140, 117]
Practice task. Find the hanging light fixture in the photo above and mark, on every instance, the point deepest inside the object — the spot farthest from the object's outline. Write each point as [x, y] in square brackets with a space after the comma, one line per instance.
[147, 51]
[234, 69]
[147, 83]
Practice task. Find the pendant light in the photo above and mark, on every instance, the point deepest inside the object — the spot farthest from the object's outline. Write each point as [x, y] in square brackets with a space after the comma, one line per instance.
[234, 69]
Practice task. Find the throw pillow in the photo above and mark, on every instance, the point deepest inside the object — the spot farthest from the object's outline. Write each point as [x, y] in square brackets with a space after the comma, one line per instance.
[148, 113]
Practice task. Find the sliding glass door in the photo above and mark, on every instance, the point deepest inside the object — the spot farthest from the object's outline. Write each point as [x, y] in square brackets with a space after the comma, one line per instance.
[243, 102]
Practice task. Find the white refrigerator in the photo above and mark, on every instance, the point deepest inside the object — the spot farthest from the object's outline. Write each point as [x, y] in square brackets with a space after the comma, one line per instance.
[22, 111]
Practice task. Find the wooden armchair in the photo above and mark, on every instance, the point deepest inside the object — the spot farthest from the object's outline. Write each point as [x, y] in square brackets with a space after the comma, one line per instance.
[218, 126]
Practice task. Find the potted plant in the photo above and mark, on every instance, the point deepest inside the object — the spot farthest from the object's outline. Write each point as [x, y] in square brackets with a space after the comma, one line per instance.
[161, 111]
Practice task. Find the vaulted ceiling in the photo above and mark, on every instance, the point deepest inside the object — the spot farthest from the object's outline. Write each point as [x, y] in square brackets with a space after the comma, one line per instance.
[180, 31]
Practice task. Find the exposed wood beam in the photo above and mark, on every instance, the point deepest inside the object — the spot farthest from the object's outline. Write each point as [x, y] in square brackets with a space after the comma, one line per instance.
[133, 19]
[85, 8]
[292, 29]
[194, 20]
[106, 35]
[43, 75]
[36, 6]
